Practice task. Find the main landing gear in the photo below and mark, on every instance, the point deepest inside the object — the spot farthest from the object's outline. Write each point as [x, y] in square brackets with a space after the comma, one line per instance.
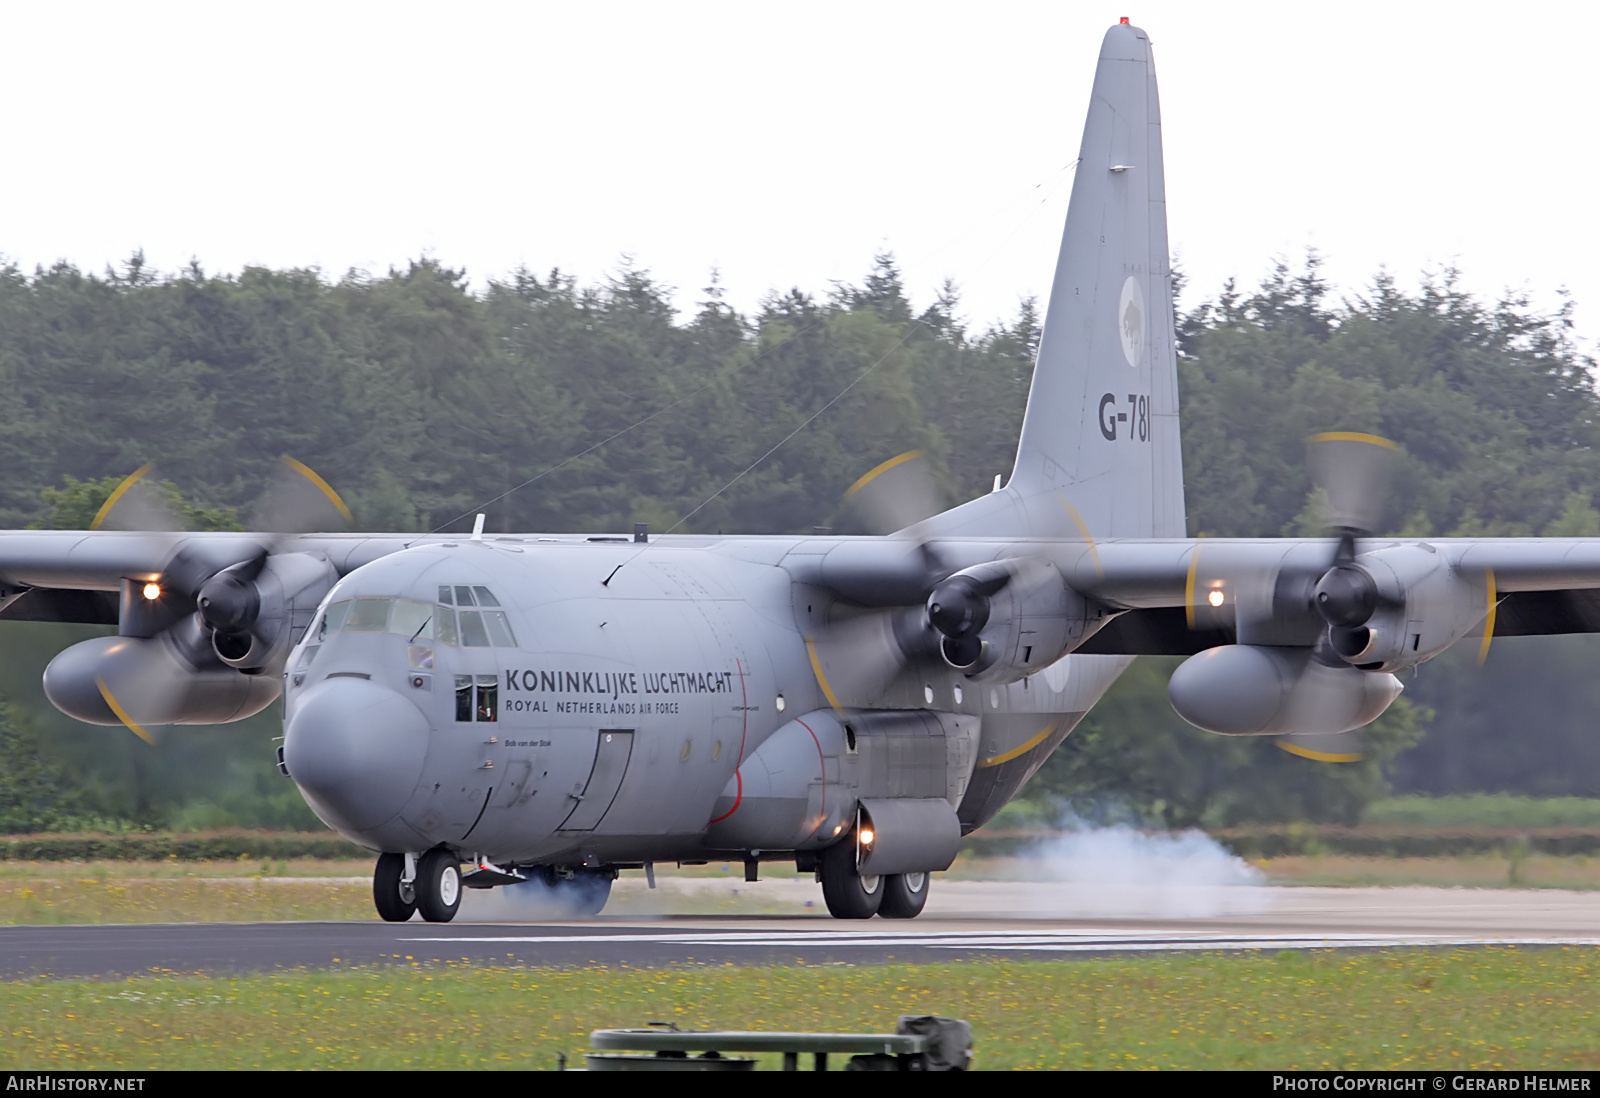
[433, 888]
[853, 895]
[582, 891]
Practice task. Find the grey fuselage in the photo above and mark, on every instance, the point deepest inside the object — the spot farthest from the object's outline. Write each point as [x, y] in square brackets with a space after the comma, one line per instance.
[642, 678]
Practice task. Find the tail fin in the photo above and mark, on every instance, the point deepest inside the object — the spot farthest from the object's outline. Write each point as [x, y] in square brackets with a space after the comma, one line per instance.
[1100, 453]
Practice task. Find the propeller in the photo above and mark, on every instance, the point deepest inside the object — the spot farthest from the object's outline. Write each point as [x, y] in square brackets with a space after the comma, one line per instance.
[1307, 600]
[958, 608]
[893, 496]
[859, 650]
[1310, 600]
[1353, 470]
[215, 609]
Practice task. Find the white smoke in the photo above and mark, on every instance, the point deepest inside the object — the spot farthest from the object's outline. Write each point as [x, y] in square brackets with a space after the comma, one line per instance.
[531, 901]
[1125, 871]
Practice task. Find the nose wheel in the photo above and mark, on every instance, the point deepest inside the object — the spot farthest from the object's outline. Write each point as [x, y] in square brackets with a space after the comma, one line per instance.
[395, 899]
[438, 886]
[436, 890]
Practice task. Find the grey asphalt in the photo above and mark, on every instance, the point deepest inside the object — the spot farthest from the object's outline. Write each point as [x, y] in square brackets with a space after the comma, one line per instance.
[973, 920]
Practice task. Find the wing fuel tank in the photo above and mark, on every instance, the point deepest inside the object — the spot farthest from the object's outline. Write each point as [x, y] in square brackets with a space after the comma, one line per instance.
[1249, 690]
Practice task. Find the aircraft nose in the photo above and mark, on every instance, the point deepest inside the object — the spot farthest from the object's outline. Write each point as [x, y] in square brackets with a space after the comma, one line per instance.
[356, 750]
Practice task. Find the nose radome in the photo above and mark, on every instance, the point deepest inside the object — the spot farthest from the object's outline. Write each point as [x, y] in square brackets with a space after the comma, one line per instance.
[356, 750]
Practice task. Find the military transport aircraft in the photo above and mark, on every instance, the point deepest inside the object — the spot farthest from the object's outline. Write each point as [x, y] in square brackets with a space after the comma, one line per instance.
[556, 709]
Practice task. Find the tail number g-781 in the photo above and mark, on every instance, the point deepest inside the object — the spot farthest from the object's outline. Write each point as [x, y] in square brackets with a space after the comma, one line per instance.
[1136, 416]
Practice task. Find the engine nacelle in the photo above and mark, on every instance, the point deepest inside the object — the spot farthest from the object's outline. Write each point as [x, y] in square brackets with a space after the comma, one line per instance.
[1420, 606]
[154, 680]
[1250, 690]
[273, 609]
[1031, 621]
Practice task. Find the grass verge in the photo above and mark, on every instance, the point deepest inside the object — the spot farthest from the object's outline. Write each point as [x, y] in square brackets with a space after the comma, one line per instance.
[1463, 1009]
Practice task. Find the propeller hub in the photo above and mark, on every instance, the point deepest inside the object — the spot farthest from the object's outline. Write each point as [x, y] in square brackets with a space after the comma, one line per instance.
[1346, 596]
[228, 602]
[958, 607]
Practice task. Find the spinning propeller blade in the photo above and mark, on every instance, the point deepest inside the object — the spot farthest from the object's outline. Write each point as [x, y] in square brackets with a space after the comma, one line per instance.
[209, 588]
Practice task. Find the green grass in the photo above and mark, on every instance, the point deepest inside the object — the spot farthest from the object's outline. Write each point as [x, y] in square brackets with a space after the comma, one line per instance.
[1488, 810]
[42, 893]
[1484, 1008]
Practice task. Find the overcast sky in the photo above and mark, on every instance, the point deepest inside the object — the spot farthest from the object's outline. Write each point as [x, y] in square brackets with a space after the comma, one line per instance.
[784, 144]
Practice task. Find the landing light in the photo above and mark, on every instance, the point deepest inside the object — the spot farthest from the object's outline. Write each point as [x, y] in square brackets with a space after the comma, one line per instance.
[1215, 598]
[866, 836]
[152, 591]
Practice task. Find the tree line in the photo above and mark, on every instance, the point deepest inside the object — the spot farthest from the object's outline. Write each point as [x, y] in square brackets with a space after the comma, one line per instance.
[554, 405]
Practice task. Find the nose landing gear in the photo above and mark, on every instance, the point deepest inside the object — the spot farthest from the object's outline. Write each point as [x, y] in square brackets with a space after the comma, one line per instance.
[434, 887]
[393, 896]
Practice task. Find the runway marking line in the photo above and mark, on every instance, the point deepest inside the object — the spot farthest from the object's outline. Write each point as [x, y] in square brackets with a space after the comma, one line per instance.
[1062, 941]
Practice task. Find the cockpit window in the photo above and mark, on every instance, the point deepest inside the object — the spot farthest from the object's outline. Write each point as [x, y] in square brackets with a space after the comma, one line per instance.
[423, 620]
[413, 619]
[368, 616]
[444, 594]
[444, 625]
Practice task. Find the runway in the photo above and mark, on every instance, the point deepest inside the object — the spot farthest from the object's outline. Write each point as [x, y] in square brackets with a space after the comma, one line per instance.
[965, 920]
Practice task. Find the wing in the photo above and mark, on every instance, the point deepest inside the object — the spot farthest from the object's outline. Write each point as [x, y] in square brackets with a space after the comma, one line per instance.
[78, 575]
[1266, 591]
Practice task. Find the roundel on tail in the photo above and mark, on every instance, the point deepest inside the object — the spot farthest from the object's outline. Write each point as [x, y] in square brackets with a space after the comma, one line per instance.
[1130, 322]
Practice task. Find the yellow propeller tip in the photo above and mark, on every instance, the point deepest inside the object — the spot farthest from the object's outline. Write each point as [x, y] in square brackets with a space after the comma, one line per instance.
[322, 486]
[879, 469]
[122, 714]
[1321, 756]
[111, 500]
[1353, 436]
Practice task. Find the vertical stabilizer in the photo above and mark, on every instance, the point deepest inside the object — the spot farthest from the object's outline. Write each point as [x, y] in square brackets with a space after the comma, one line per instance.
[1100, 450]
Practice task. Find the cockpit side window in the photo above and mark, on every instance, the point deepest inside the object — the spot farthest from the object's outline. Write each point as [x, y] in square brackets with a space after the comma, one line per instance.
[333, 620]
[499, 629]
[481, 704]
[473, 633]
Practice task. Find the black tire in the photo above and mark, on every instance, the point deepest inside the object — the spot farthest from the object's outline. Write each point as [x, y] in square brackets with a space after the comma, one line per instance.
[904, 895]
[847, 893]
[586, 891]
[438, 886]
[395, 902]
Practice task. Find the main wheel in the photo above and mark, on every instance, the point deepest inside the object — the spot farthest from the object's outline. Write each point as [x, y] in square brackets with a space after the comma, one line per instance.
[904, 895]
[586, 891]
[438, 886]
[396, 902]
[848, 894]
